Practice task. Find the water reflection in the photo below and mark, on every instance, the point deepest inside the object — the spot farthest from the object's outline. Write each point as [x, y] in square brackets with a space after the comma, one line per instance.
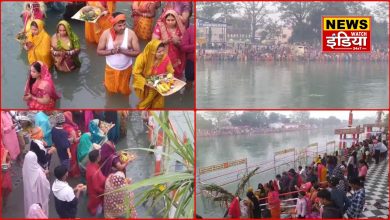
[291, 85]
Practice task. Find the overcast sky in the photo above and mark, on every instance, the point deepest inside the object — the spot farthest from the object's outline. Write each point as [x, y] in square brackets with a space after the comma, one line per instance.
[274, 14]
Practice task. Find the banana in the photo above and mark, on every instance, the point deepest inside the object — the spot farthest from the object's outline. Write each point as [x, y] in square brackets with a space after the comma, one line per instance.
[159, 89]
[166, 87]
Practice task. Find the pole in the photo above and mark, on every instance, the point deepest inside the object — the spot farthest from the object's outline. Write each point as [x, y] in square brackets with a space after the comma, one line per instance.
[246, 169]
[294, 159]
[344, 143]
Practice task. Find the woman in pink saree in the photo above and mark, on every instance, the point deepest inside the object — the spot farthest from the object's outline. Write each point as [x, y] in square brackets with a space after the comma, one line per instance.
[170, 31]
[33, 11]
[9, 136]
[73, 133]
[40, 92]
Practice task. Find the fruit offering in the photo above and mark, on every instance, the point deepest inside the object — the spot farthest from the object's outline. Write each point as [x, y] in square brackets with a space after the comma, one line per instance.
[21, 37]
[124, 157]
[89, 13]
[162, 83]
[105, 127]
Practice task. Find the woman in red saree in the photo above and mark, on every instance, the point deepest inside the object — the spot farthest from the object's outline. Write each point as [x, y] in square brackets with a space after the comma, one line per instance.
[234, 208]
[40, 92]
[31, 12]
[273, 201]
[170, 31]
[73, 133]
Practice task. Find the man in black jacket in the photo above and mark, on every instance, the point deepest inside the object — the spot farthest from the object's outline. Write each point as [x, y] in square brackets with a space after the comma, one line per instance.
[330, 210]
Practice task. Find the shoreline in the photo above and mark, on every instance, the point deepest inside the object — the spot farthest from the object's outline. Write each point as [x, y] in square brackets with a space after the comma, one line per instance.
[240, 132]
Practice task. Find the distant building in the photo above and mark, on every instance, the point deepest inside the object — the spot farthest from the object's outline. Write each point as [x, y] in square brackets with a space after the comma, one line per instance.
[238, 35]
[276, 125]
[292, 126]
[209, 32]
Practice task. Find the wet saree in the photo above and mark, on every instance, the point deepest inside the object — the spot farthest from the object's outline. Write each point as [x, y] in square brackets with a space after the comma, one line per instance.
[40, 89]
[70, 60]
[176, 55]
[143, 68]
[40, 46]
[143, 25]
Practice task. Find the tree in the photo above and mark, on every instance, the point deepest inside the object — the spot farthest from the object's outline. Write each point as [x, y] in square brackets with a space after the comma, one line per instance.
[300, 117]
[202, 123]
[381, 12]
[302, 32]
[252, 119]
[357, 8]
[273, 117]
[325, 8]
[256, 12]
[284, 119]
[379, 33]
[295, 12]
[386, 120]
[331, 121]
[210, 9]
[270, 30]
[218, 117]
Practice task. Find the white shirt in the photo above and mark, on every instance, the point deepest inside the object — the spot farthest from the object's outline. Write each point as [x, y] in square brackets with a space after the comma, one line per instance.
[301, 207]
[119, 61]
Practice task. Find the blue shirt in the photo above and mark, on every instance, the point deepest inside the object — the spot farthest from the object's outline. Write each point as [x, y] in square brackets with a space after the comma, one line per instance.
[61, 142]
[356, 204]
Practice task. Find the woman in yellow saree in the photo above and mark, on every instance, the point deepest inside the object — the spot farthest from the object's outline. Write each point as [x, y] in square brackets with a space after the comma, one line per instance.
[154, 60]
[38, 44]
[93, 31]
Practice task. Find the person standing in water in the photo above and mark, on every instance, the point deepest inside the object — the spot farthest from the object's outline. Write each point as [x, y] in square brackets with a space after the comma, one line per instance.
[119, 45]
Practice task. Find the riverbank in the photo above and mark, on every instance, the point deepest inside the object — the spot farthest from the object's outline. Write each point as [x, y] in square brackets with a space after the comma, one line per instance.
[247, 131]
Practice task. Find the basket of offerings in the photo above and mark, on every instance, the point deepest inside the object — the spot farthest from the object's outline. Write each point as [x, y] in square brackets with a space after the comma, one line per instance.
[88, 14]
[125, 156]
[165, 84]
[21, 37]
[105, 127]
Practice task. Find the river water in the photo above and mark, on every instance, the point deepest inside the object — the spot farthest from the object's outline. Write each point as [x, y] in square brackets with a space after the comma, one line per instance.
[228, 84]
[82, 88]
[258, 149]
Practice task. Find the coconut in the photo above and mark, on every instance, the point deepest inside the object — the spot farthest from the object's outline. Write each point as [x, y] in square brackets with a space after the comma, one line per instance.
[86, 9]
